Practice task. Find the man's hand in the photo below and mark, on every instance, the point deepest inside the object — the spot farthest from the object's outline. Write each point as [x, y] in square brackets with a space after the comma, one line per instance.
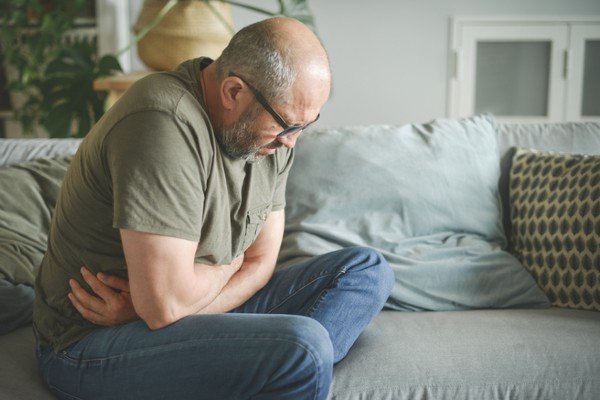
[112, 305]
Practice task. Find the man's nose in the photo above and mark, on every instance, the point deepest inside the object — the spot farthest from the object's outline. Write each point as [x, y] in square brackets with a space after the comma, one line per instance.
[289, 141]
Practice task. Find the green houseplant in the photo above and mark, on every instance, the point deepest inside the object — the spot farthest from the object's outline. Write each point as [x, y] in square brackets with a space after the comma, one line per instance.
[55, 76]
[51, 77]
[69, 101]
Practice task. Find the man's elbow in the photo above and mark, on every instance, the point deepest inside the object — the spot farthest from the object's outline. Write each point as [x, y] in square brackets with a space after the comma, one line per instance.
[158, 317]
[155, 323]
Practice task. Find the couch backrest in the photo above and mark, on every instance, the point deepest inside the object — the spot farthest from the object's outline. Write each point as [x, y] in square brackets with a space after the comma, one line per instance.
[568, 137]
[564, 137]
[14, 151]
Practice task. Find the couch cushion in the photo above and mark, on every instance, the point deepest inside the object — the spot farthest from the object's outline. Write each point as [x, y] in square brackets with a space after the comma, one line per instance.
[416, 179]
[426, 196]
[555, 215]
[474, 355]
[479, 355]
[564, 137]
[20, 378]
[13, 151]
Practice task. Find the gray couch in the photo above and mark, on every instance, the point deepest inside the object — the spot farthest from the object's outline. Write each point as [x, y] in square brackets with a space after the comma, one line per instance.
[465, 320]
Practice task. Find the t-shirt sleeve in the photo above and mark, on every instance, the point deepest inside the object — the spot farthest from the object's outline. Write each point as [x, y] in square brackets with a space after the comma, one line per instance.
[156, 175]
[284, 170]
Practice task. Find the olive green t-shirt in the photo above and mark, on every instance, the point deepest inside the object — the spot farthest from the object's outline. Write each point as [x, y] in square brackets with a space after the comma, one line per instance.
[151, 164]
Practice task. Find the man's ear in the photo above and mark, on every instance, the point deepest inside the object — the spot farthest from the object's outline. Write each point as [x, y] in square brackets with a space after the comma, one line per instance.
[230, 93]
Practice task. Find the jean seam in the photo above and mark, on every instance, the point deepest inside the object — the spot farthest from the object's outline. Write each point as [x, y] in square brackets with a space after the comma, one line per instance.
[319, 298]
[310, 282]
[184, 343]
[312, 352]
[62, 392]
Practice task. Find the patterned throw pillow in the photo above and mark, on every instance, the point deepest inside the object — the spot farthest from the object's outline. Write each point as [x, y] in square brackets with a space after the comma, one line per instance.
[555, 215]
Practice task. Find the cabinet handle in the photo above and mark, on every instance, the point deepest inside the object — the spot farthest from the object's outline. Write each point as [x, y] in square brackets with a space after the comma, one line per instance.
[566, 64]
[455, 64]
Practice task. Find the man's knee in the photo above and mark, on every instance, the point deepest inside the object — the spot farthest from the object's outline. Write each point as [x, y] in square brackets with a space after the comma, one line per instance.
[377, 273]
[308, 354]
[308, 338]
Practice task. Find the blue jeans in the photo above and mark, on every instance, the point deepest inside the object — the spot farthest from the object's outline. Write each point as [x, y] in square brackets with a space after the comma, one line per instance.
[280, 344]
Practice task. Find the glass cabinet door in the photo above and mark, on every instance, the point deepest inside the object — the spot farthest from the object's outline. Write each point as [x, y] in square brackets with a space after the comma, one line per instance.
[512, 78]
[511, 70]
[583, 101]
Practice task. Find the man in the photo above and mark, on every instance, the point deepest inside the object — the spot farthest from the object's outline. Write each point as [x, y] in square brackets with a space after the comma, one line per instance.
[180, 189]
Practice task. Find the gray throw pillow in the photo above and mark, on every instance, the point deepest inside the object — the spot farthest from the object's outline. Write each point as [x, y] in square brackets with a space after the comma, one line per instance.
[425, 195]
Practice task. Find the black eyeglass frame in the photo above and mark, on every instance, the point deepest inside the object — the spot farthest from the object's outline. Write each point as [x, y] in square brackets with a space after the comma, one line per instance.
[287, 128]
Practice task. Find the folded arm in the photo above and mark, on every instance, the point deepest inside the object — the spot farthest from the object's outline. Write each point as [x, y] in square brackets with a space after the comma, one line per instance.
[165, 285]
[258, 266]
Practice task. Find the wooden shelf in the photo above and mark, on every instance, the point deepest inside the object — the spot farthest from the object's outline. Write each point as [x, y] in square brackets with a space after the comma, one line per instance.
[6, 114]
[117, 85]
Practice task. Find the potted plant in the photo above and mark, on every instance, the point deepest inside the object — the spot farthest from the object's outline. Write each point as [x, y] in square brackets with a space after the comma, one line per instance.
[69, 102]
[172, 31]
[50, 78]
[55, 76]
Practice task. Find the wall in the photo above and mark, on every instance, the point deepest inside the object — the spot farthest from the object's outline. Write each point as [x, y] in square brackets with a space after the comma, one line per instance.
[389, 57]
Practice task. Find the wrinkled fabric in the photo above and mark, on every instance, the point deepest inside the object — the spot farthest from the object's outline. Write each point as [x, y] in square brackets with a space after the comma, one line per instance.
[425, 196]
[27, 201]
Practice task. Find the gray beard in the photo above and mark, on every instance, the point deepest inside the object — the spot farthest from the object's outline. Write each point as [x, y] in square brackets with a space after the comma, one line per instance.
[239, 140]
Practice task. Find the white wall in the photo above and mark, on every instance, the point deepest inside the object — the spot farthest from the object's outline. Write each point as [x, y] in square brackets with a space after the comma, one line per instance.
[389, 57]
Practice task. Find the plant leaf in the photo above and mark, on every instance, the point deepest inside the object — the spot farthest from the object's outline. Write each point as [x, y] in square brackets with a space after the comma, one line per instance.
[249, 7]
[58, 121]
[298, 9]
[62, 66]
[107, 65]
[84, 123]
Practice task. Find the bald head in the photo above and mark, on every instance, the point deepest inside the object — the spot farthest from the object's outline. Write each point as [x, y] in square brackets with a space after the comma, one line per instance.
[305, 51]
[302, 46]
[277, 54]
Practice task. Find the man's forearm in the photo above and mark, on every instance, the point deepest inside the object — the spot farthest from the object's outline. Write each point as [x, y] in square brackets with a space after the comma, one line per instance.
[219, 278]
[214, 278]
[251, 277]
[187, 296]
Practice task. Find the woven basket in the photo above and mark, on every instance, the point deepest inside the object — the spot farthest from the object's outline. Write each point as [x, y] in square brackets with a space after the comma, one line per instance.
[189, 30]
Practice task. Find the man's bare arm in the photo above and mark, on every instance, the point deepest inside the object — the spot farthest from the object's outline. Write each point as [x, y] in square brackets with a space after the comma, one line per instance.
[165, 283]
[259, 263]
[113, 304]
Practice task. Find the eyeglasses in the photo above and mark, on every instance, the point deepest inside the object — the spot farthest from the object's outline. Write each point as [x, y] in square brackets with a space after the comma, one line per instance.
[287, 128]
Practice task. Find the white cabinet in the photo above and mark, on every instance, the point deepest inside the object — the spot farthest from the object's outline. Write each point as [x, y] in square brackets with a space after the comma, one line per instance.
[583, 89]
[525, 70]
